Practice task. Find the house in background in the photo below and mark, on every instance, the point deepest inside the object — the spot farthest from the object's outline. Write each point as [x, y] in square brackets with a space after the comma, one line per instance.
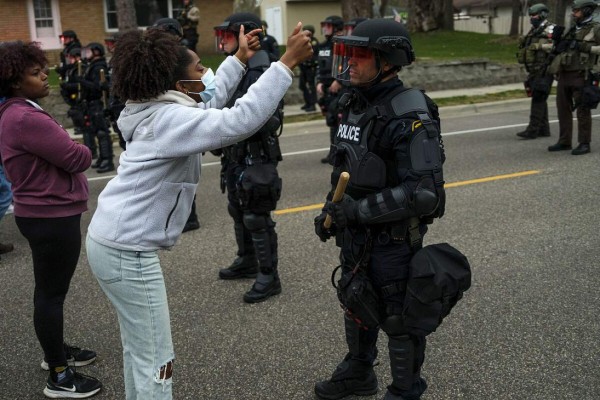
[283, 15]
[94, 20]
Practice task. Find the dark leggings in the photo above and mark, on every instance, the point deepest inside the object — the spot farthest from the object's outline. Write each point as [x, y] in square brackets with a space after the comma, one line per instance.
[55, 245]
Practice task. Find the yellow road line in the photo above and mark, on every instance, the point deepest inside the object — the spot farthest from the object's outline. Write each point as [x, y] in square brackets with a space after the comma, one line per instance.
[447, 185]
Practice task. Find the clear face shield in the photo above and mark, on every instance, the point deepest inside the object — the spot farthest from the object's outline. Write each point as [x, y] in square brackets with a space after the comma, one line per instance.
[348, 29]
[87, 53]
[349, 51]
[223, 34]
[326, 28]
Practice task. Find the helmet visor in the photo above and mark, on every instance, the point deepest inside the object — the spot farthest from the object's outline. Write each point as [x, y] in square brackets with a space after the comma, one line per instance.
[326, 28]
[87, 53]
[347, 51]
[223, 35]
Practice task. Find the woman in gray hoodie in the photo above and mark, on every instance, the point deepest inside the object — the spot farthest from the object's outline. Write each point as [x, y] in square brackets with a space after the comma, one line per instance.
[170, 118]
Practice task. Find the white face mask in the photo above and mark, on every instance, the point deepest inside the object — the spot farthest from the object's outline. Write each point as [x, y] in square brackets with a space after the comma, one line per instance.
[210, 85]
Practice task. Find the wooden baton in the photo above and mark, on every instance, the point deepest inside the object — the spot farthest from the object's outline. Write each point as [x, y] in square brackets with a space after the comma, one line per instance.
[337, 195]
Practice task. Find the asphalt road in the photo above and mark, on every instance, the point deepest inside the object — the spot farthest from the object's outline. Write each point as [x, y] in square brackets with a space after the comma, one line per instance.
[527, 329]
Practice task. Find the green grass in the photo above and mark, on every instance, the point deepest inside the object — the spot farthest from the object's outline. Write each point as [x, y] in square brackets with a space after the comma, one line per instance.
[448, 45]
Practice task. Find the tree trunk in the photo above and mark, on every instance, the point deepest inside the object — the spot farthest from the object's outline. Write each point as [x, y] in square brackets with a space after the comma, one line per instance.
[425, 15]
[356, 8]
[514, 22]
[448, 16]
[246, 6]
[126, 18]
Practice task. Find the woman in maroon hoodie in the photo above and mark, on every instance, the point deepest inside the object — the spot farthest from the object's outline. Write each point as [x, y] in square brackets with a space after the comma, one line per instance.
[50, 193]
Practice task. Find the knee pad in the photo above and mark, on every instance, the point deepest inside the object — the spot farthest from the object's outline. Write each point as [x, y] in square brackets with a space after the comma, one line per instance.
[393, 326]
[255, 222]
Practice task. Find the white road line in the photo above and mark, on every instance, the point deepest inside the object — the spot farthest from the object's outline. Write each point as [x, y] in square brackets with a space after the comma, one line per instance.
[296, 153]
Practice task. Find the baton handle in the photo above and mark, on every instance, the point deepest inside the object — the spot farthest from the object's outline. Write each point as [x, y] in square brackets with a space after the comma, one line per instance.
[104, 94]
[337, 195]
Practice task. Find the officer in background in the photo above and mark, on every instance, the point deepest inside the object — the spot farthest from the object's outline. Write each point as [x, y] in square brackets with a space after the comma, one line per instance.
[269, 43]
[389, 142]
[188, 19]
[308, 73]
[577, 54]
[115, 105]
[327, 86]
[69, 41]
[173, 27]
[350, 25]
[249, 172]
[539, 81]
[94, 92]
[70, 90]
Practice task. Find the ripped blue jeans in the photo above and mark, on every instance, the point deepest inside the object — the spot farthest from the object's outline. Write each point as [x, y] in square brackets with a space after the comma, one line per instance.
[133, 281]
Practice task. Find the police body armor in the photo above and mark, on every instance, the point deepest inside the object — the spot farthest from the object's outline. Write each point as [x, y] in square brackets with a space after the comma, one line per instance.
[572, 59]
[372, 168]
[535, 60]
[324, 63]
[259, 186]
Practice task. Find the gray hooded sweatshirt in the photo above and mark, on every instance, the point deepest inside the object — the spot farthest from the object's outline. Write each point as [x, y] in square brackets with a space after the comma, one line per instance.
[145, 207]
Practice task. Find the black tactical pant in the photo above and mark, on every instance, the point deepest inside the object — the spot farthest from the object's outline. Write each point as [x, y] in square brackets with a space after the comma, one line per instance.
[307, 85]
[568, 95]
[538, 117]
[254, 232]
[388, 272]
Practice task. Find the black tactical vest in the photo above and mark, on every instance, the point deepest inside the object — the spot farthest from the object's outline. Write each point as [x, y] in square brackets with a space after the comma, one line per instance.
[371, 167]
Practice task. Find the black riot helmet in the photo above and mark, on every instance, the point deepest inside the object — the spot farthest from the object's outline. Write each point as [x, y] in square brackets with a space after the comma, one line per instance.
[350, 25]
[331, 25]
[375, 38]
[230, 28]
[68, 34]
[170, 25]
[91, 50]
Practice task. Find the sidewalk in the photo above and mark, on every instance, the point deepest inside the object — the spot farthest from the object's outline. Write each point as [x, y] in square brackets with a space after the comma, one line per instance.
[506, 105]
[294, 109]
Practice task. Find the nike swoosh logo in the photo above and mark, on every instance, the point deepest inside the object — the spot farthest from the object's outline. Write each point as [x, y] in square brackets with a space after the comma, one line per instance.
[71, 389]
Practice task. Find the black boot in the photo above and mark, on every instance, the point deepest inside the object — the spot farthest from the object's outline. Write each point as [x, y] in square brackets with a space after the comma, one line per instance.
[527, 134]
[351, 377]
[355, 374]
[106, 152]
[242, 267]
[267, 284]
[559, 147]
[583, 148]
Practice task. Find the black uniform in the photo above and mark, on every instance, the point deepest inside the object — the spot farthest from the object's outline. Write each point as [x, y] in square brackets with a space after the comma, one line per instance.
[96, 123]
[269, 43]
[539, 81]
[64, 66]
[328, 102]
[71, 93]
[389, 142]
[308, 71]
[253, 189]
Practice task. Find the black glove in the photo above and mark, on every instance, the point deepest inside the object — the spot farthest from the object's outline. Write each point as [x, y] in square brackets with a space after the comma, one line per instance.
[343, 213]
[562, 46]
[322, 232]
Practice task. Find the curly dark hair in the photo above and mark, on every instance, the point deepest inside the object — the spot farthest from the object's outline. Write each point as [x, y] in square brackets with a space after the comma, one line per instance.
[147, 64]
[15, 57]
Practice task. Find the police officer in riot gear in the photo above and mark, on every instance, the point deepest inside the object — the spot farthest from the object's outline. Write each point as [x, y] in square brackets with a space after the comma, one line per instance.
[94, 90]
[69, 41]
[535, 59]
[250, 176]
[188, 18]
[308, 70]
[577, 54]
[71, 93]
[389, 142]
[327, 87]
[350, 25]
[269, 43]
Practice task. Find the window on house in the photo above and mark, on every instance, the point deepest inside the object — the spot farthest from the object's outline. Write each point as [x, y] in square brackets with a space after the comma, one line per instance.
[146, 11]
[42, 13]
